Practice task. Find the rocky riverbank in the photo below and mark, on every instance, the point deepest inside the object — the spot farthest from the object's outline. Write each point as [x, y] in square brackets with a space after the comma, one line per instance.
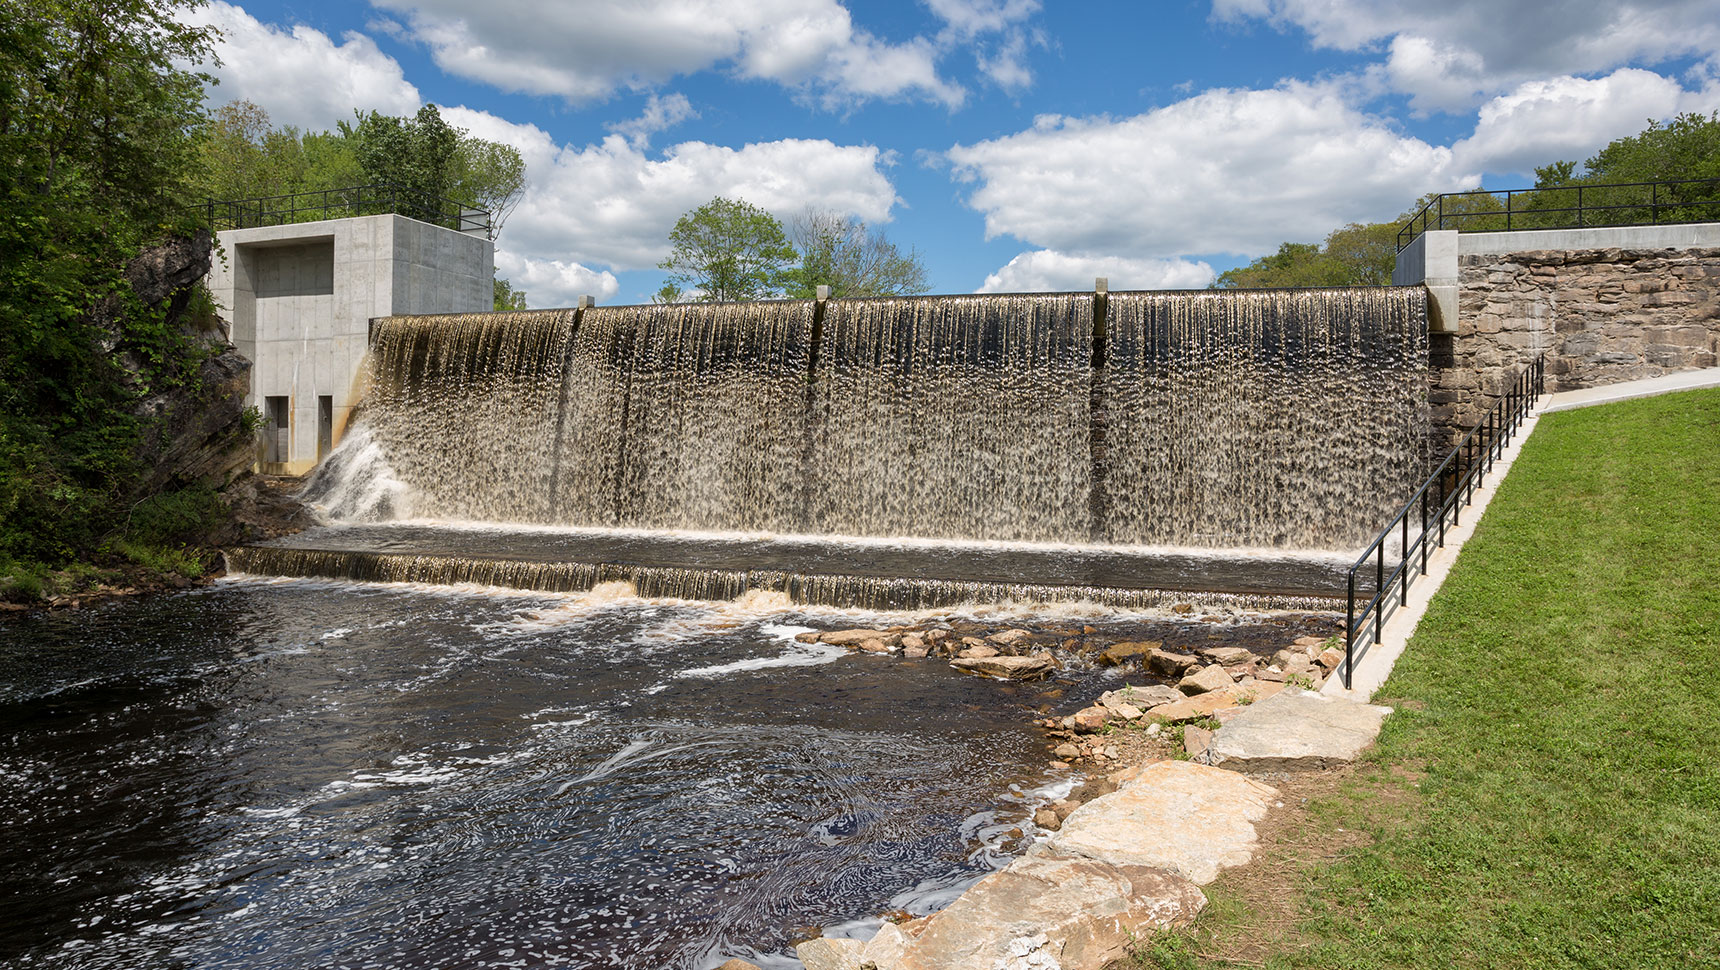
[1149, 819]
[258, 507]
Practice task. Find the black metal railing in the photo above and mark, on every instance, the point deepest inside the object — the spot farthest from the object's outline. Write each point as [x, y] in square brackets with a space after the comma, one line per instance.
[358, 200]
[1441, 501]
[1568, 207]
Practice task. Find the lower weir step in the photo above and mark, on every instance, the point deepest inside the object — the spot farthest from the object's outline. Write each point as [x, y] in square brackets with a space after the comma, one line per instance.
[810, 572]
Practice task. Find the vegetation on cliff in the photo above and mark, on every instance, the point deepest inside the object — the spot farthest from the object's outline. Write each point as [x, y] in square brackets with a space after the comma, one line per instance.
[102, 342]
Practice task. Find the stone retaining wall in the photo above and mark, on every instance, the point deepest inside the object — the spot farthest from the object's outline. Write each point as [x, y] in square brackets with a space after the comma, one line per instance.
[1601, 316]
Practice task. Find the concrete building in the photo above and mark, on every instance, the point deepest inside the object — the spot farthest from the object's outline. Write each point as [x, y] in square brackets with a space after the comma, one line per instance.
[300, 299]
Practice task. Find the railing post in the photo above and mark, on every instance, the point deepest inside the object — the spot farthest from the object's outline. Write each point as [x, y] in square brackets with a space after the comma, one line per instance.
[1403, 564]
[1350, 633]
[1579, 207]
[1423, 539]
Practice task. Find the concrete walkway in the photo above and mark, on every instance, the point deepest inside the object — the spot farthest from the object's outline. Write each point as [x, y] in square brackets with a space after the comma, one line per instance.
[1689, 380]
[1374, 667]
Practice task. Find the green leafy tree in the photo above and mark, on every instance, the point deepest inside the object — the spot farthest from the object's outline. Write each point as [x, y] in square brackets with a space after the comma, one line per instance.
[414, 153]
[245, 157]
[508, 298]
[1685, 148]
[850, 258]
[729, 249]
[100, 110]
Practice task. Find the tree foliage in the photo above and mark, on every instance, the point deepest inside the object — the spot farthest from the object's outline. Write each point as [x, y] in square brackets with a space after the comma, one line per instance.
[1687, 147]
[1359, 254]
[99, 120]
[245, 157]
[853, 260]
[727, 249]
[508, 298]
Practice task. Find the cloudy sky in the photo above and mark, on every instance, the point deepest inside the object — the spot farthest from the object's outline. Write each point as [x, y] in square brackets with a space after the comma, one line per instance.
[1016, 144]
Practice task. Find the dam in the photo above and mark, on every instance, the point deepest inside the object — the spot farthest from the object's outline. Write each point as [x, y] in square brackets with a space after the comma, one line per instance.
[896, 452]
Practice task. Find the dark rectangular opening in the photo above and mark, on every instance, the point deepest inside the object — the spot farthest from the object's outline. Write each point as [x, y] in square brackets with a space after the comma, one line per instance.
[276, 426]
[325, 425]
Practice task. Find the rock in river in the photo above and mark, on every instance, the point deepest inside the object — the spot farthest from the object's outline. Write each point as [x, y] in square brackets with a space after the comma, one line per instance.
[1012, 668]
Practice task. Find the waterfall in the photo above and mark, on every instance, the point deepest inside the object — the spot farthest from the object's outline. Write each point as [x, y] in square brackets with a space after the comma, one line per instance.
[1217, 419]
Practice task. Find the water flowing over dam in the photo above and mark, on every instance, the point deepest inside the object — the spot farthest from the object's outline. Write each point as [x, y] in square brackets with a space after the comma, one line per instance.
[1281, 420]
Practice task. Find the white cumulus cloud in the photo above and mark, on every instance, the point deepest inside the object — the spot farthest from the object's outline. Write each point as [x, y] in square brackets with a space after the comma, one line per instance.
[611, 204]
[554, 282]
[587, 51]
[1226, 171]
[1454, 54]
[300, 75]
[1569, 118]
[1048, 270]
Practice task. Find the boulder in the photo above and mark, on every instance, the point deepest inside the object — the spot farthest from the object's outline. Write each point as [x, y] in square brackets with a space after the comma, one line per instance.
[1090, 719]
[1310, 641]
[1331, 657]
[875, 645]
[1206, 679]
[912, 641]
[914, 653]
[1010, 668]
[1170, 664]
[978, 651]
[738, 965]
[1120, 653]
[1212, 702]
[1127, 712]
[1067, 752]
[1010, 638]
[887, 948]
[1229, 656]
[1048, 910]
[1143, 697]
[1196, 741]
[1188, 818]
[1047, 819]
[1296, 729]
[854, 638]
[822, 954]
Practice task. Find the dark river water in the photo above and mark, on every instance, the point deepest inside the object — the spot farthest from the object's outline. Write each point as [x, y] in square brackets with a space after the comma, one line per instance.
[305, 774]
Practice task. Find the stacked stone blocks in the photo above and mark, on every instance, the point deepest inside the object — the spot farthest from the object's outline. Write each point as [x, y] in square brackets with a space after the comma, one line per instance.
[1601, 316]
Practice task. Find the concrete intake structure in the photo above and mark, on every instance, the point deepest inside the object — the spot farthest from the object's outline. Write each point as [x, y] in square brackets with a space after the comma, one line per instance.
[300, 299]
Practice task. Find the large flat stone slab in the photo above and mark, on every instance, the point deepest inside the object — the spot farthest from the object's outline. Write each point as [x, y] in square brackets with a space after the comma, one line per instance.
[1048, 910]
[1296, 730]
[1190, 819]
[1013, 668]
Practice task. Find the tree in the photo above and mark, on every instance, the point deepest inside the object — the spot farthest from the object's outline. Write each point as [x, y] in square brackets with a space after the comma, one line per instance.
[100, 109]
[729, 249]
[854, 261]
[508, 298]
[1359, 254]
[244, 157]
[1687, 147]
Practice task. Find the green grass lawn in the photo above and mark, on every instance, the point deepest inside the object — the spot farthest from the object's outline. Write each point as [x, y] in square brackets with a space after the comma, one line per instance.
[1559, 707]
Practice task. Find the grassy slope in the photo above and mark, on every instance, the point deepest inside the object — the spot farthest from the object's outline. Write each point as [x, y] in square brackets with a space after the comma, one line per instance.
[1560, 706]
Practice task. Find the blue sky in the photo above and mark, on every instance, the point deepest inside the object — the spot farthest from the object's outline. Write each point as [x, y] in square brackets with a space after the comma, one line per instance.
[1016, 144]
